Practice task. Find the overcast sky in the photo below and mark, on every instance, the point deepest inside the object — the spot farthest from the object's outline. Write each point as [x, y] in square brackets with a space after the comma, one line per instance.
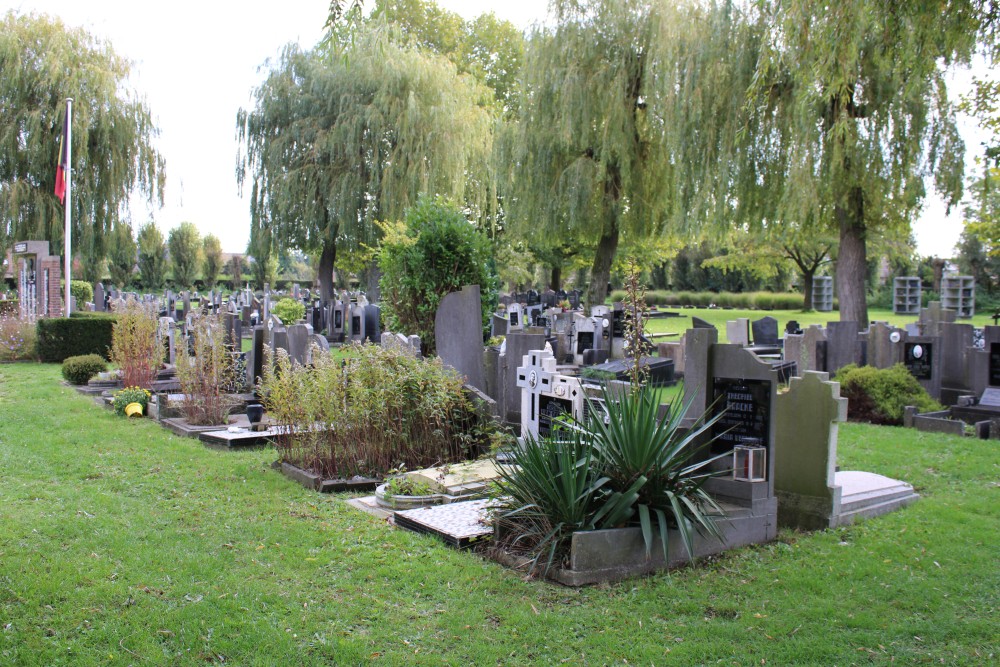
[196, 63]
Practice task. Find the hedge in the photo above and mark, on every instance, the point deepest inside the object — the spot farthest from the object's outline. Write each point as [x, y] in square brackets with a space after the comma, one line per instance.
[79, 334]
[749, 300]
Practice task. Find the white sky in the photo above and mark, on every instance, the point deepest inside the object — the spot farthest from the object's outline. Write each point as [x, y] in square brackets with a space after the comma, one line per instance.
[196, 63]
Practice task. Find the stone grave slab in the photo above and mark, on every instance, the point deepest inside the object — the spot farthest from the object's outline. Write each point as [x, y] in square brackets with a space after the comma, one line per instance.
[458, 524]
[459, 479]
[867, 494]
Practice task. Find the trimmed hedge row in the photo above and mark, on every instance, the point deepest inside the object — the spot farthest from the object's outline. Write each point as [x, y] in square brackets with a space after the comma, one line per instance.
[79, 334]
[759, 300]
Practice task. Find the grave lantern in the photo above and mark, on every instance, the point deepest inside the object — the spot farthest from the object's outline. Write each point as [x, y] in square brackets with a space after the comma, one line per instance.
[749, 462]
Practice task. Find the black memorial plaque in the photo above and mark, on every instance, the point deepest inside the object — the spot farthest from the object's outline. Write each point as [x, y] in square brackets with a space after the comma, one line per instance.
[549, 408]
[584, 341]
[746, 408]
[995, 364]
[917, 359]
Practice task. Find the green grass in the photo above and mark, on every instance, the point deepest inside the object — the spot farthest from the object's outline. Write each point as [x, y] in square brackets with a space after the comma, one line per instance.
[719, 317]
[121, 544]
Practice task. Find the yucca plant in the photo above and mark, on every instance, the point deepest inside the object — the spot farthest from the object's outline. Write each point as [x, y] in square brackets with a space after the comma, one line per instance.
[664, 464]
[552, 491]
[624, 465]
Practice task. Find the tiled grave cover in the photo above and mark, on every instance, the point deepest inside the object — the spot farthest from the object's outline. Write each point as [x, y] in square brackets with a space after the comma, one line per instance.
[459, 524]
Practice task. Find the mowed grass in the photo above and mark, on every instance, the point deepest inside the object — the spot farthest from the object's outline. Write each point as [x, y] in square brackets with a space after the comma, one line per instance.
[719, 317]
[121, 544]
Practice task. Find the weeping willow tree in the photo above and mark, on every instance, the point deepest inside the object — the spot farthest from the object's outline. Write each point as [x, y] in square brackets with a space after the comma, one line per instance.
[42, 62]
[849, 115]
[350, 133]
[629, 109]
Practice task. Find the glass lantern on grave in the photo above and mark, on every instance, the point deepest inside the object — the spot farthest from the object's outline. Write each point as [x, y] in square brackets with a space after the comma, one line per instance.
[750, 461]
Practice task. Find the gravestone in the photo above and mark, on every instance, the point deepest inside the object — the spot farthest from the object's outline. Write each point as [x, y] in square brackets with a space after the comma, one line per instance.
[885, 345]
[546, 394]
[698, 323]
[738, 331]
[458, 331]
[805, 451]
[515, 317]
[255, 359]
[765, 332]
[843, 346]
[233, 331]
[697, 345]
[516, 346]
[372, 322]
[99, 295]
[956, 341]
[319, 341]
[167, 332]
[922, 358]
[574, 299]
[744, 389]
[357, 324]
[932, 317]
[299, 339]
[498, 326]
[410, 345]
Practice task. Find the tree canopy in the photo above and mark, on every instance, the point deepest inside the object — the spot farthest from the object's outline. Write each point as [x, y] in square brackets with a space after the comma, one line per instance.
[184, 244]
[350, 133]
[626, 110]
[849, 114]
[42, 62]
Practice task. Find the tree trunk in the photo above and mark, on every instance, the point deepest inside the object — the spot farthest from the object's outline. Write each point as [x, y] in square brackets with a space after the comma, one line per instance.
[807, 288]
[327, 259]
[607, 246]
[852, 266]
[556, 280]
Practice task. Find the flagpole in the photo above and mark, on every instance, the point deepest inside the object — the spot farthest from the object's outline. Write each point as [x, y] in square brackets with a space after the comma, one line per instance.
[68, 235]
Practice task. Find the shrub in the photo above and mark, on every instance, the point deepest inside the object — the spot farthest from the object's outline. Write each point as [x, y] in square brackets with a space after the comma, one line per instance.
[124, 397]
[207, 376]
[289, 310]
[79, 334]
[79, 369]
[437, 252]
[879, 395]
[623, 467]
[82, 291]
[135, 346]
[18, 338]
[749, 300]
[377, 410]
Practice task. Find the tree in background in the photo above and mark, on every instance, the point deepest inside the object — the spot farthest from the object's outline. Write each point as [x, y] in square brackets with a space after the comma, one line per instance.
[235, 267]
[438, 251]
[211, 249]
[350, 133]
[121, 254]
[152, 257]
[42, 62]
[627, 109]
[184, 244]
[848, 115]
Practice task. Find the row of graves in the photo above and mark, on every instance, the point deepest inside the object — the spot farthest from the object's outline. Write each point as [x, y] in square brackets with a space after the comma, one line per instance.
[956, 363]
[780, 463]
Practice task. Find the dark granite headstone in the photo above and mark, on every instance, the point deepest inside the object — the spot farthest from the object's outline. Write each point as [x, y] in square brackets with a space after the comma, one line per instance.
[458, 330]
[698, 323]
[842, 346]
[372, 317]
[765, 331]
[918, 359]
[994, 376]
[747, 412]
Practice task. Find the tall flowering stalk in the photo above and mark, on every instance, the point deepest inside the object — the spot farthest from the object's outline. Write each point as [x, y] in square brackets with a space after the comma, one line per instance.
[135, 347]
[18, 338]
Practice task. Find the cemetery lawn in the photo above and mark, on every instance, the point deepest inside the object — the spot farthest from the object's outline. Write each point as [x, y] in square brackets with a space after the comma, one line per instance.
[719, 317]
[122, 544]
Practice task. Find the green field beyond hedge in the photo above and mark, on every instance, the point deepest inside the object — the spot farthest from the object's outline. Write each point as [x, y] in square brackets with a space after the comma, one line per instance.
[719, 317]
[121, 544]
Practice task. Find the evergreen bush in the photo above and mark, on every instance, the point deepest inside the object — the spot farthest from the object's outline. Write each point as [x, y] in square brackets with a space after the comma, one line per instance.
[879, 395]
[78, 370]
[289, 310]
